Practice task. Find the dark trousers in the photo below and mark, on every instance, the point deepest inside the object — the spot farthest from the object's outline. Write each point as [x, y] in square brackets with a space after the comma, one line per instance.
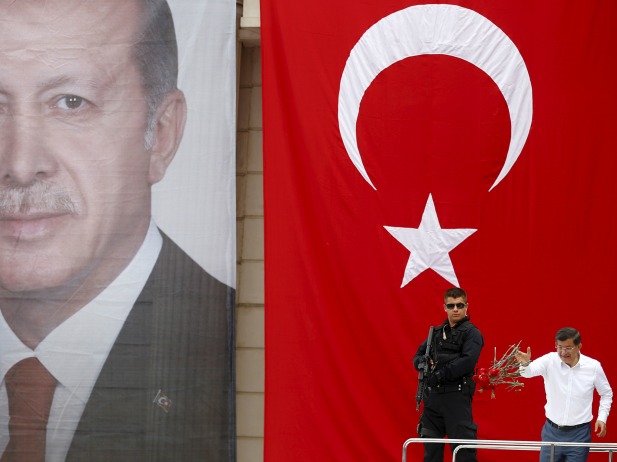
[448, 414]
[566, 453]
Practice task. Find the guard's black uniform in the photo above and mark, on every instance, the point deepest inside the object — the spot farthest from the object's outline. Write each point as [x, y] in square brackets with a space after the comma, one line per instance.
[447, 398]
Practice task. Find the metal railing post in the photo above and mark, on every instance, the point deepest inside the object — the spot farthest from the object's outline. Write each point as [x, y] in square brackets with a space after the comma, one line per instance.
[511, 445]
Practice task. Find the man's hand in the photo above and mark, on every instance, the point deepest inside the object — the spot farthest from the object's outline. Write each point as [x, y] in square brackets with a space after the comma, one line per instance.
[435, 378]
[600, 428]
[523, 358]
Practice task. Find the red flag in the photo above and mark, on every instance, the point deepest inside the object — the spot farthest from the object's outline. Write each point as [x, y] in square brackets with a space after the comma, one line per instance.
[409, 148]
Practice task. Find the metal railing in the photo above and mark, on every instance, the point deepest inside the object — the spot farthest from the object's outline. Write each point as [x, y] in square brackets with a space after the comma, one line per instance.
[510, 445]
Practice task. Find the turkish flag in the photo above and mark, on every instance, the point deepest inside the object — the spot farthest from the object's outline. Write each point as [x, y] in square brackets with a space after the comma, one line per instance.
[409, 148]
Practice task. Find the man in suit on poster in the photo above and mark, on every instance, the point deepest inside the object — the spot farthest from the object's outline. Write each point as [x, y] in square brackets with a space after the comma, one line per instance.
[135, 336]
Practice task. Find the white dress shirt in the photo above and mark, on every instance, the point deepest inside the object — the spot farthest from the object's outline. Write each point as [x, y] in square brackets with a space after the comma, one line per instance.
[569, 390]
[76, 350]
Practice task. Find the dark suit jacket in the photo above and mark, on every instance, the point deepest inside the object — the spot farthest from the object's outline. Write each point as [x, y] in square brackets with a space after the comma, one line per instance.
[178, 339]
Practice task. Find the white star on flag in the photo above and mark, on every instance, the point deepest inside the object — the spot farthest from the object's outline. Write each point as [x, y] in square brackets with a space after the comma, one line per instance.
[429, 245]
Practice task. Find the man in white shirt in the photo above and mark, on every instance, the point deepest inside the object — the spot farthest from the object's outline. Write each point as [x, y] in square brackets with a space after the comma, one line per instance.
[569, 381]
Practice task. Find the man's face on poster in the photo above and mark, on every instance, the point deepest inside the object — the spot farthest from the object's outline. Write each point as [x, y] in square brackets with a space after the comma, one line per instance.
[76, 172]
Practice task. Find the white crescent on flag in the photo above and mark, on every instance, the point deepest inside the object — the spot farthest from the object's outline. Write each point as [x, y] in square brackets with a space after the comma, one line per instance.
[436, 29]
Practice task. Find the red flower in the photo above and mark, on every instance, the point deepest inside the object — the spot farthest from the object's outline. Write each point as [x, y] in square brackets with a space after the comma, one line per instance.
[502, 372]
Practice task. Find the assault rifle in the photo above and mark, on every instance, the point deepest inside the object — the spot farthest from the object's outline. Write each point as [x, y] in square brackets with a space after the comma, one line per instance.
[424, 365]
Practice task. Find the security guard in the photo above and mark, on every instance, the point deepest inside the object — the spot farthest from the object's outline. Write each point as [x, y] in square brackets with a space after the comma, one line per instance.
[454, 354]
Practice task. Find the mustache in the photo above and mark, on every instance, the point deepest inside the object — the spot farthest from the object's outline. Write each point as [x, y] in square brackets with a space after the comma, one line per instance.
[37, 198]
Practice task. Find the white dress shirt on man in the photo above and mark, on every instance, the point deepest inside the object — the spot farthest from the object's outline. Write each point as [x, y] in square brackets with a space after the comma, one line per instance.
[569, 390]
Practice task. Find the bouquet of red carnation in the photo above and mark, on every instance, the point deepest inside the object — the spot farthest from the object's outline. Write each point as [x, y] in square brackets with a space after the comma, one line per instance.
[502, 372]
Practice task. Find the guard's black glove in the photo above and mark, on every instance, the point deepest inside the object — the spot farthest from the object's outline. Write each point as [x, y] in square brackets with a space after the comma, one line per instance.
[435, 378]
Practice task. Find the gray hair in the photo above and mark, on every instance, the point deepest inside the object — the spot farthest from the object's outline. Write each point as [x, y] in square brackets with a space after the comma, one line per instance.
[156, 55]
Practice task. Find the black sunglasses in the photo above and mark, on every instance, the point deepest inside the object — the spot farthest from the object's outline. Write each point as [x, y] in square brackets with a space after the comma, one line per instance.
[460, 306]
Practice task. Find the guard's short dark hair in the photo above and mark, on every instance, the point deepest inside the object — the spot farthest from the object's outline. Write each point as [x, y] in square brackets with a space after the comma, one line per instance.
[156, 54]
[567, 333]
[455, 292]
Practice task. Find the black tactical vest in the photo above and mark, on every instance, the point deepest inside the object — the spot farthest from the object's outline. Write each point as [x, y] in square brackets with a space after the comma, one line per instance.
[449, 349]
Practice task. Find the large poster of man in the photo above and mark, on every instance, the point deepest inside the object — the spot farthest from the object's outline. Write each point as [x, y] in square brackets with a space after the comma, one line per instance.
[116, 331]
